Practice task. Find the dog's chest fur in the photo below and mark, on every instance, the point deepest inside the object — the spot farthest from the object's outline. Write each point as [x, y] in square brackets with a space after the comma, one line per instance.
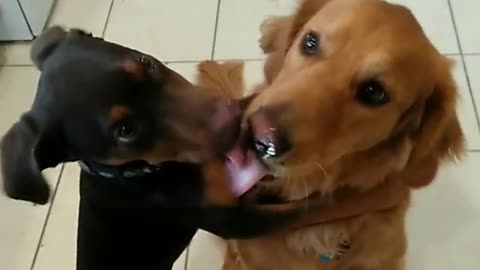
[377, 240]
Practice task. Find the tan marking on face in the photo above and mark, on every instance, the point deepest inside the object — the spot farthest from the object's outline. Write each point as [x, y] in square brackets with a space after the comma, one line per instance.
[134, 68]
[119, 112]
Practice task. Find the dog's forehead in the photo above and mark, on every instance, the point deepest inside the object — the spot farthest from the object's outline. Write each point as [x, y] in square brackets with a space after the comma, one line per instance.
[89, 42]
[91, 53]
[375, 35]
[88, 63]
[364, 21]
[85, 75]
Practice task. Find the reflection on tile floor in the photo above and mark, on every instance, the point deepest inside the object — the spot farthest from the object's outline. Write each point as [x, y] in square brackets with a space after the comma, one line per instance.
[444, 218]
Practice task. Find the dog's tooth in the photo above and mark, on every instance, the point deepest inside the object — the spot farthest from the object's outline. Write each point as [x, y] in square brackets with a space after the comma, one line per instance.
[106, 175]
[129, 174]
[271, 149]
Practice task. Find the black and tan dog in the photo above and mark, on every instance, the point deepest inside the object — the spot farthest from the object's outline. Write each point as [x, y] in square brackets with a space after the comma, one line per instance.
[129, 121]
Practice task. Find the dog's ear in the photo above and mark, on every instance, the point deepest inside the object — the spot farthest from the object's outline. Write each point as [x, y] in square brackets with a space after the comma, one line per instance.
[25, 152]
[45, 44]
[439, 136]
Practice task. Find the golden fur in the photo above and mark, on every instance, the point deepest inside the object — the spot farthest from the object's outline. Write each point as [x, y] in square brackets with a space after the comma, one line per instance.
[339, 144]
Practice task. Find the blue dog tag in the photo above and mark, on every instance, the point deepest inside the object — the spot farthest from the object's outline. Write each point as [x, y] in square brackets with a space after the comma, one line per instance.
[325, 258]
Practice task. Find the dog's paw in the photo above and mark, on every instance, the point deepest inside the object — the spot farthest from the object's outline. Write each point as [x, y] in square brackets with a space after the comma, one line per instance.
[268, 31]
[342, 248]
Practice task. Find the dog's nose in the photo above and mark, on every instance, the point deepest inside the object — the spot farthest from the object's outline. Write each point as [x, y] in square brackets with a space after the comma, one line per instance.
[269, 140]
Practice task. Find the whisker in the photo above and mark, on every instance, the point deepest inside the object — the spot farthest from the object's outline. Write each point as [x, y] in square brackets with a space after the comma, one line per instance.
[288, 181]
[321, 168]
[307, 194]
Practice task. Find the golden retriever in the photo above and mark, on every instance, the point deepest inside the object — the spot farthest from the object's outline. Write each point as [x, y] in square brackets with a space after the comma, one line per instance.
[356, 98]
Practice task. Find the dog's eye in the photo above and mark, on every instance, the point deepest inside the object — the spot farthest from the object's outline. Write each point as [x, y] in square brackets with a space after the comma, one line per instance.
[147, 63]
[372, 93]
[126, 131]
[310, 43]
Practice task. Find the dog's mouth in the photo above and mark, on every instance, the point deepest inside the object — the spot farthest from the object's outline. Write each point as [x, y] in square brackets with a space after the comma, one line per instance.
[246, 165]
[244, 169]
[254, 157]
[258, 155]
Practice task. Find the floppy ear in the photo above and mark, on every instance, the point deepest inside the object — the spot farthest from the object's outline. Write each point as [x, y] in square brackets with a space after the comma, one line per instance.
[439, 136]
[45, 44]
[25, 152]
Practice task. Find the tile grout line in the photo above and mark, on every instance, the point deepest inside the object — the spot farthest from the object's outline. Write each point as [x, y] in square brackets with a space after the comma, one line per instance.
[50, 14]
[25, 18]
[47, 218]
[182, 62]
[219, 60]
[108, 18]
[166, 62]
[472, 54]
[18, 65]
[457, 54]
[214, 43]
[464, 64]
[244, 60]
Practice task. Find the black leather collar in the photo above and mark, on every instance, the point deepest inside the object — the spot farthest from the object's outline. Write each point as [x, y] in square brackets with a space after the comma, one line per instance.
[134, 169]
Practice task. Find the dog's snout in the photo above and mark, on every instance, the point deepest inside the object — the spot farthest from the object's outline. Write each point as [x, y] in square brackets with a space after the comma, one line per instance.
[268, 138]
[225, 125]
[226, 115]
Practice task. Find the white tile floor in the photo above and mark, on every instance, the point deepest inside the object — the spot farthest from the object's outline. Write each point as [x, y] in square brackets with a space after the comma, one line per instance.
[444, 222]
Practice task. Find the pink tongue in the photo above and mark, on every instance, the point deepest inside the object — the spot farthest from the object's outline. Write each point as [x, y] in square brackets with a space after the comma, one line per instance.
[243, 170]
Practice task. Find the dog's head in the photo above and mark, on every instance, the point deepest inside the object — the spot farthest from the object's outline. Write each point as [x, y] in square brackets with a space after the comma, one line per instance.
[103, 102]
[361, 95]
